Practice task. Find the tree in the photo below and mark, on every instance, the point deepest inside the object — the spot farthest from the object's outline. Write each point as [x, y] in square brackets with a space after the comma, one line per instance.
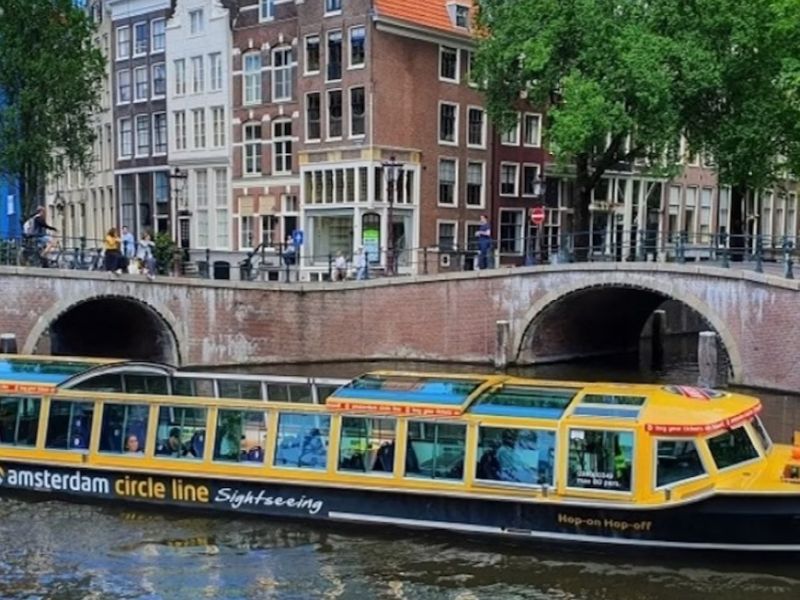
[616, 77]
[50, 77]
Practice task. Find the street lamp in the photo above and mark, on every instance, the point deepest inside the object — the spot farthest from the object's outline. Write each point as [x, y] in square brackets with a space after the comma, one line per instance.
[179, 177]
[539, 188]
[391, 168]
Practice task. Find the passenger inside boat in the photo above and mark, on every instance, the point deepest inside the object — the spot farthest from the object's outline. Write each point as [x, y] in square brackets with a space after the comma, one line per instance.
[132, 444]
[172, 446]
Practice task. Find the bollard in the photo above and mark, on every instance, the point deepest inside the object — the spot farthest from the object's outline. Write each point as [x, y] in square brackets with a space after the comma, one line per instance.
[501, 348]
[8, 343]
[708, 360]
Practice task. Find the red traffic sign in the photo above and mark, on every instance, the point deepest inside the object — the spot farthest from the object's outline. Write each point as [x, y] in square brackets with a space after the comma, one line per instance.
[537, 215]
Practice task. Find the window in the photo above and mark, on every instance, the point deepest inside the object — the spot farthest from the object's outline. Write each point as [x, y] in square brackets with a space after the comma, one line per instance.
[180, 77]
[215, 64]
[511, 231]
[282, 147]
[312, 55]
[159, 38]
[197, 74]
[142, 135]
[123, 86]
[237, 388]
[180, 130]
[446, 236]
[218, 126]
[160, 133]
[123, 42]
[142, 84]
[199, 120]
[140, 36]
[357, 51]
[125, 137]
[313, 117]
[462, 16]
[332, 6]
[533, 130]
[530, 179]
[367, 445]
[524, 456]
[246, 237]
[241, 436]
[159, 80]
[266, 10]
[510, 137]
[334, 56]
[282, 74]
[763, 436]
[357, 110]
[600, 460]
[69, 425]
[732, 448]
[435, 450]
[181, 432]
[508, 179]
[475, 184]
[124, 428]
[677, 460]
[477, 128]
[252, 78]
[252, 149]
[223, 218]
[201, 201]
[196, 21]
[448, 123]
[448, 64]
[447, 181]
[334, 113]
[270, 237]
[302, 440]
[19, 421]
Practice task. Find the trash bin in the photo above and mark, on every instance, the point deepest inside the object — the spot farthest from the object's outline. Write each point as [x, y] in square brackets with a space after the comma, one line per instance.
[222, 270]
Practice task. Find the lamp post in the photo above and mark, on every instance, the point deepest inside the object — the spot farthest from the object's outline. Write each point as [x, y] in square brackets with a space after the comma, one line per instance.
[539, 186]
[179, 177]
[391, 168]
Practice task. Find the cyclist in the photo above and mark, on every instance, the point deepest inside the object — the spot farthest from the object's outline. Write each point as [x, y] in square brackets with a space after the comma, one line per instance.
[36, 228]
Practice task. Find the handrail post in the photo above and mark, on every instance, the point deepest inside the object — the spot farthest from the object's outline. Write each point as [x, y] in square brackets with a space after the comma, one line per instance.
[681, 249]
[725, 258]
[330, 267]
[759, 258]
[788, 271]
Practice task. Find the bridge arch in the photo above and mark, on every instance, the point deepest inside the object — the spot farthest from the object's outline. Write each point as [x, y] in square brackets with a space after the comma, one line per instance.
[109, 326]
[581, 319]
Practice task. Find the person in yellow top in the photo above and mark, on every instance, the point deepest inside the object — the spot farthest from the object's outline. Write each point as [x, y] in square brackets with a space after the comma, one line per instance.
[111, 246]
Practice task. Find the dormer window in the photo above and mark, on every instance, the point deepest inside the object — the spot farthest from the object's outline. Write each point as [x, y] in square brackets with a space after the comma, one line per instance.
[462, 16]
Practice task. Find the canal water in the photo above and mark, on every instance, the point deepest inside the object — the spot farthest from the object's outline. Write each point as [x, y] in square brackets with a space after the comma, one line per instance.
[62, 551]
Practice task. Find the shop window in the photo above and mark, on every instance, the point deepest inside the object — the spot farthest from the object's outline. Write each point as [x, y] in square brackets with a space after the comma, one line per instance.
[124, 428]
[241, 436]
[181, 432]
[677, 460]
[732, 448]
[367, 445]
[302, 440]
[600, 460]
[435, 450]
[524, 456]
[19, 421]
[69, 425]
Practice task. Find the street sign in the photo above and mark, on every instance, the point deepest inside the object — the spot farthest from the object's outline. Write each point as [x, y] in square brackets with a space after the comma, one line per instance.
[297, 237]
[537, 215]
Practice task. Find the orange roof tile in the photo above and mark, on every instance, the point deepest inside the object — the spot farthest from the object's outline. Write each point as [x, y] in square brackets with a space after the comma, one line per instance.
[426, 13]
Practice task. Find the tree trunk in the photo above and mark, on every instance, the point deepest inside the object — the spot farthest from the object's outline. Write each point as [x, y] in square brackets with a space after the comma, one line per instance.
[581, 198]
[737, 242]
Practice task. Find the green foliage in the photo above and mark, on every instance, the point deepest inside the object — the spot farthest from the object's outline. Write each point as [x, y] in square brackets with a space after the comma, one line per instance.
[50, 78]
[164, 252]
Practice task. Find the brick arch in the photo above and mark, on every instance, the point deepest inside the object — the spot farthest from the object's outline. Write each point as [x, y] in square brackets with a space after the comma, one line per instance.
[650, 293]
[174, 349]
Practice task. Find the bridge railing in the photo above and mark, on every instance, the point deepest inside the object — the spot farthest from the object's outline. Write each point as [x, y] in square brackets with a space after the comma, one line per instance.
[284, 262]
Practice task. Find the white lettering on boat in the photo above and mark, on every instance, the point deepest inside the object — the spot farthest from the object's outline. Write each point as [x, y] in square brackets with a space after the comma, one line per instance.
[55, 482]
[237, 499]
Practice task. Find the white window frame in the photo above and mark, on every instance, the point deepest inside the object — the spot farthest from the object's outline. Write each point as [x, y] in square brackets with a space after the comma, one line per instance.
[306, 70]
[155, 95]
[350, 64]
[306, 120]
[286, 73]
[121, 130]
[439, 202]
[180, 76]
[329, 12]
[281, 140]
[352, 114]
[266, 10]
[180, 129]
[218, 127]
[128, 44]
[515, 194]
[482, 204]
[215, 71]
[454, 223]
[136, 97]
[454, 141]
[328, 36]
[538, 141]
[136, 25]
[442, 49]
[199, 128]
[153, 136]
[153, 49]
[198, 76]
[252, 221]
[196, 26]
[482, 145]
[522, 231]
[538, 168]
[259, 143]
[252, 77]
[145, 119]
[516, 133]
[119, 86]
[328, 116]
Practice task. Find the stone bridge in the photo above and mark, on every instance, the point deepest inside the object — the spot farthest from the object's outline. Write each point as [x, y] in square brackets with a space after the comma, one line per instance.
[554, 311]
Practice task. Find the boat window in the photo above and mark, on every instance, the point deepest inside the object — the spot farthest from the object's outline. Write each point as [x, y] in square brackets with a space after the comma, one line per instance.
[124, 428]
[240, 436]
[302, 440]
[613, 399]
[516, 455]
[110, 382]
[435, 450]
[187, 386]
[19, 420]
[409, 388]
[284, 392]
[763, 435]
[677, 460]
[521, 401]
[69, 425]
[600, 460]
[244, 390]
[610, 405]
[146, 384]
[181, 432]
[731, 448]
[367, 445]
[323, 391]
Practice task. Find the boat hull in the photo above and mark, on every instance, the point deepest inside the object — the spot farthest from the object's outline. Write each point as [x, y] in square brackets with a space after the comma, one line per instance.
[744, 523]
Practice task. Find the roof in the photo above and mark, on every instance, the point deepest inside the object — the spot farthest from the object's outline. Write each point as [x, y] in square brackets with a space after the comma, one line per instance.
[40, 370]
[425, 13]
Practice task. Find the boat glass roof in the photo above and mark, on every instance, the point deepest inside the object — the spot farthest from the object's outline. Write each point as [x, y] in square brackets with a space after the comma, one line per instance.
[614, 406]
[409, 388]
[525, 401]
[40, 371]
